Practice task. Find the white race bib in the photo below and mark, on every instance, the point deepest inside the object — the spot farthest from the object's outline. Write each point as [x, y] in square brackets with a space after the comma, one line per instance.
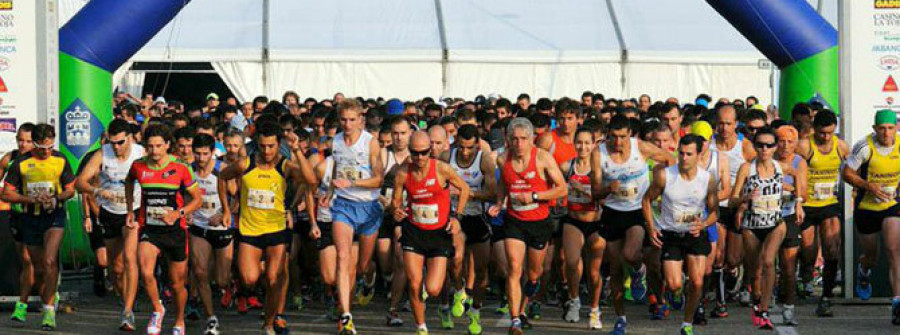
[118, 198]
[823, 191]
[627, 191]
[261, 199]
[349, 173]
[890, 190]
[40, 188]
[156, 214]
[579, 193]
[520, 207]
[686, 218]
[425, 214]
[210, 202]
[767, 204]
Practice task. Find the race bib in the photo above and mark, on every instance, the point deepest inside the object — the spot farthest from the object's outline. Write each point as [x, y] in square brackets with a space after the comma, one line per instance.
[349, 173]
[823, 191]
[767, 204]
[118, 198]
[425, 214]
[210, 202]
[261, 199]
[686, 218]
[890, 190]
[39, 188]
[156, 214]
[579, 193]
[627, 191]
[519, 206]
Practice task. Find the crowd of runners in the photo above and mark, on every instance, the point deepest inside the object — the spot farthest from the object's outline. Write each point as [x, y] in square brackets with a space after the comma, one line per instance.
[577, 203]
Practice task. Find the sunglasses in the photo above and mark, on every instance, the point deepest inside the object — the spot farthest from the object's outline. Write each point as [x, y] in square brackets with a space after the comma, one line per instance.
[419, 153]
[49, 146]
[760, 145]
[754, 129]
[119, 142]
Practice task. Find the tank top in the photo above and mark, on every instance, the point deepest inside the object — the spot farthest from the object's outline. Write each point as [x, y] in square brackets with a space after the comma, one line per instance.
[735, 157]
[323, 214]
[429, 201]
[262, 199]
[390, 172]
[683, 201]
[352, 163]
[580, 198]
[209, 190]
[883, 170]
[473, 177]
[789, 199]
[765, 210]
[822, 178]
[560, 150]
[5, 206]
[112, 179]
[633, 176]
[526, 182]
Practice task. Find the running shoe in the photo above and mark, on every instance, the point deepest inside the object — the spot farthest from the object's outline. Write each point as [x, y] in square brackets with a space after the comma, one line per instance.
[638, 286]
[281, 325]
[127, 324]
[675, 299]
[49, 322]
[755, 315]
[446, 320]
[298, 302]
[824, 308]
[212, 326]
[700, 316]
[503, 308]
[405, 307]
[533, 310]
[366, 292]
[619, 328]
[687, 330]
[787, 314]
[154, 327]
[20, 313]
[515, 327]
[526, 324]
[744, 297]
[254, 302]
[459, 297]
[764, 322]
[720, 312]
[656, 312]
[393, 319]
[345, 326]
[190, 311]
[421, 331]
[808, 289]
[227, 297]
[595, 322]
[242, 305]
[863, 289]
[895, 312]
[474, 321]
[573, 309]
[177, 330]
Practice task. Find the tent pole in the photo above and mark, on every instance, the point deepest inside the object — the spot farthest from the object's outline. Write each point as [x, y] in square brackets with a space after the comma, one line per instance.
[265, 47]
[623, 57]
[445, 54]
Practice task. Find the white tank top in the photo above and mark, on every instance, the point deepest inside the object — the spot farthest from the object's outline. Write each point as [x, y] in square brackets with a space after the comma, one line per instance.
[352, 163]
[473, 177]
[209, 189]
[735, 157]
[633, 177]
[112, 179]
[683, 200]
[323, 214]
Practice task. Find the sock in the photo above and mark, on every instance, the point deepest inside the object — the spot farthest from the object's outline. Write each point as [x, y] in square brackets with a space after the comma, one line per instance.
[830, 277]
[718, 276]
[623, 318]
[685, 324]
[595, 309]
[895, 300]
[516, 320]
[788, 306]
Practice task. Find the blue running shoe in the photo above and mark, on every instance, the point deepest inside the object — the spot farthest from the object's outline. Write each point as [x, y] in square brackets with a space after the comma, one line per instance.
[675, 300]
[638, 289]
[863, 288]
[895, 312]
[619, 328]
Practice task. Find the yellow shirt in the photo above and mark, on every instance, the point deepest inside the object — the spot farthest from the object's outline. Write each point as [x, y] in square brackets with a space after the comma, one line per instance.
[883, 170]
[31, 176]
[822, 178]
[262, 199]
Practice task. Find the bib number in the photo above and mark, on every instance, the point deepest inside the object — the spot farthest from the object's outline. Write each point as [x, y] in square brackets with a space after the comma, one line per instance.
[349, 173]
[519, 206]
[579, 193]
[767, 204]
[40, 188]
[627, 191]
[156, 214]
[823, 191]
[210, 202]
[425, 214]
[686, 218]
[261, 199]
[890, 190]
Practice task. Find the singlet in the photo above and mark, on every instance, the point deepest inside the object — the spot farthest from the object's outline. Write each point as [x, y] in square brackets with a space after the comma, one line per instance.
[5, 206]
[633, 176]
[31, 176]
[112, 178]
[789, 199]
[765, 209]
[352, 163]
[735, 157]
[561, 151]
[683, 201]
[712, 167]
[883, 170]
[323, 214]
[390, 173]
[473, 177]
[209, 190]
[262, 199]
[822, 178]
[580, 198]
[524, 182]
[162, 189]
[429, 201]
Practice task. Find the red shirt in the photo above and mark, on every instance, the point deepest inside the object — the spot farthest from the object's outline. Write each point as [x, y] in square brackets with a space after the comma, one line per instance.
[579, 197]
[161, 189]
[562, 151]
[429, 201]
[526, 182]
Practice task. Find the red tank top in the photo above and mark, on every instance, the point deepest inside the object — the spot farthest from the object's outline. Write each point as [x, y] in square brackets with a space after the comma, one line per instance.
[579, 197]
[562, 151]
[429, 201]
[525, 182]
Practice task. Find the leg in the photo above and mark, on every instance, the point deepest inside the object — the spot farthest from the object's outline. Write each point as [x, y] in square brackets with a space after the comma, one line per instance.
[383, 254]
[536, 259]
[413, 267]
[294, 264]
[515, 256]
[437, 271]
[52, 239]
[751, 264]
[573, 242]
[457, 270]
[831, 239]
[696, 264]
[200, 254]
[769, 250]
[672, 273]
[342, 234]
[114, 251]
[148, 253]
[27, 276]
[224, 258]
[480, 257]
[597, 247]
[809, 249]
[364, 266]
[248, 267]
[178, 275]
[890, 231]
[616, 280]
[327, 266]
[788, 262]
[398, 284]
[275, 281]
[130, 261]
[632, 249]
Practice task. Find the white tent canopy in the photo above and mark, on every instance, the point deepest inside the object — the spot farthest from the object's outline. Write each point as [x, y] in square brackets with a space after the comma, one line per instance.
[413, 48]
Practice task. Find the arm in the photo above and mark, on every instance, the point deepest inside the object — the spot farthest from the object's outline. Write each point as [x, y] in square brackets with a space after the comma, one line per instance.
[597, 188]
[397, 198]
[83, 182]
[456, 181]
[489, 190]
[800, 192]
[712, 203]
[377, 168]
[747, 149]
[228, 174]
[551, 172]
[500, 195]
[654, 191]
[804, 148]
[656, 153]
[545, 141]
[737, 198]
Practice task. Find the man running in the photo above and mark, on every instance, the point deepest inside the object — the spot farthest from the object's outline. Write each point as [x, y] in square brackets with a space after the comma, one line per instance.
[164, 182]
[687, 193]
[27, 277]
[823, 152]
[428, 224]
[527, 173]
[873, 168]
[112, 165]
[41, 181]
[470, 163]
[395, 156]
[620, 178]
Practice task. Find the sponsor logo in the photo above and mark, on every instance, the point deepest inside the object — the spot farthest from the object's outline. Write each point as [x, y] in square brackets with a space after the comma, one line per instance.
[7, 21]
[430, 182]
[887, 4]
[886, 48]
[146, 174]
[886, 19]
[6, 5]
[3, 88]
[889, 63]
[4, 64]
[80, 128]
[529, 175]
[8, 125]
[889, 100]
[890, 85]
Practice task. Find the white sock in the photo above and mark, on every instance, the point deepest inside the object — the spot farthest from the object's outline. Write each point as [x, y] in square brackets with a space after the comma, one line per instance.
[685, 324]
[423, 327]
[788, 306]
[595, 309]
[49, 308]
[623, 318]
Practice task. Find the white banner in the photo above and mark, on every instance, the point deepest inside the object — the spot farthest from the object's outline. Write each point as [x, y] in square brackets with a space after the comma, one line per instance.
[28, 65]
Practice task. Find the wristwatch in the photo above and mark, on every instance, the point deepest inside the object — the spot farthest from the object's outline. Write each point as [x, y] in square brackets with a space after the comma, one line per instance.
[181, 212]
[534, 196]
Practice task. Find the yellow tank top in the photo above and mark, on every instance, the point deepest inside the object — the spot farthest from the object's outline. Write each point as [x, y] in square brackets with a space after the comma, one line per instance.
[262, 199]
[822, 178]
[885, 172]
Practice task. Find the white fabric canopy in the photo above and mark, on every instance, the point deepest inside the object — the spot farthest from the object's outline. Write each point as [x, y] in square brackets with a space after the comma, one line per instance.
[395, 48]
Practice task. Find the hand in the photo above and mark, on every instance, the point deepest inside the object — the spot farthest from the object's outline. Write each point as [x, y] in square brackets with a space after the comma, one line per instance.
[697, 227]
[656, 238]
[325, 202]
[452, 226]
[171, 217]
[341, 183]
[522, 198]
[876, 191]
[314, 232]
[129, 220]
[454, 191]
[293, 140]
[801, 215]
[88, 227]
[494, 211]
[399, 214]
[226, 219]
[104, 194]
[614, 186]
[384, 201]
[301, 206]
[215, 220]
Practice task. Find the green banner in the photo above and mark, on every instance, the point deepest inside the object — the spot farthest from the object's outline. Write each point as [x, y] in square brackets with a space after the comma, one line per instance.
[816, 76]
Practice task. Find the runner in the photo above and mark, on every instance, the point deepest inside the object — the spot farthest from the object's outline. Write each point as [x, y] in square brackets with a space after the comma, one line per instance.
[785, 154]
[210, 239]
[620, 178]
[581, 229]
[321, 233]
[662, 137]
[263, 218]
[757, 198]
[526, 173]
[27, 278]
[355, 211]
[824, 153]
[163, 182]
[873, 168]
[428, 224]
[688, 193]
[470, 162]
[41, 180]
[112, 166]
[396, 155]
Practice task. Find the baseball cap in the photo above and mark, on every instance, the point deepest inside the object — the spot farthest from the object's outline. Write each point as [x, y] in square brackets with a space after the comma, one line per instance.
[212, 95]
[160, 100]
[394, 107]
[702, 129]
[885, 116]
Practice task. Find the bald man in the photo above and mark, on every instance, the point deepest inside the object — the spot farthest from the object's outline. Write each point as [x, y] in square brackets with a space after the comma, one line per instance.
[439, 140]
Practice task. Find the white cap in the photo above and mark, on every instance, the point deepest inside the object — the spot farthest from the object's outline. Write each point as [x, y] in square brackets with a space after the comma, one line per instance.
[494, 96]
[160, 100]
